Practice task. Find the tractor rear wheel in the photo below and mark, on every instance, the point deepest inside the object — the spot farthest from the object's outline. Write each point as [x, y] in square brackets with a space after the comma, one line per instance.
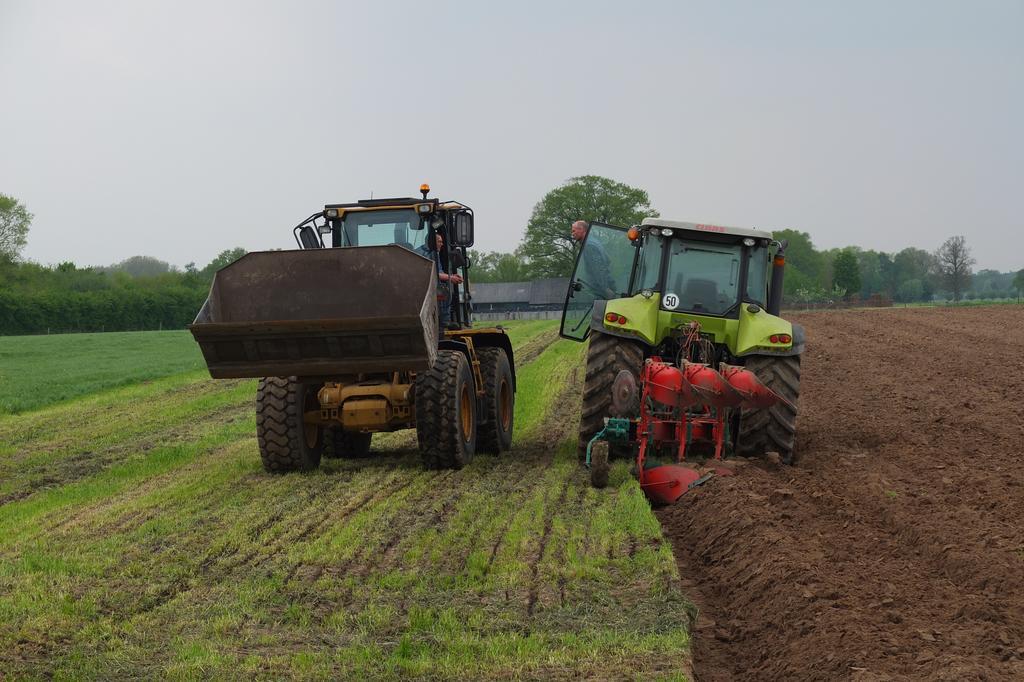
[607, 356]
[494, 430]
[340, 443]
[287, 442]
[446, 412]
[772, 428]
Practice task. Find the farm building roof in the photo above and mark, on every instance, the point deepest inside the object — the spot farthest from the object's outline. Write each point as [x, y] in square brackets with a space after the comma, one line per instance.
[538, 292]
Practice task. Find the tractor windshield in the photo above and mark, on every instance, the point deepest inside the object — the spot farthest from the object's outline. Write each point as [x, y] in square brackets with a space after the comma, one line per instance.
[377, 228]
[703, 277]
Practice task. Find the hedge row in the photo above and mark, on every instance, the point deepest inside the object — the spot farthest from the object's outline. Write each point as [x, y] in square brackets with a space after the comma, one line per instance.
[96, 311]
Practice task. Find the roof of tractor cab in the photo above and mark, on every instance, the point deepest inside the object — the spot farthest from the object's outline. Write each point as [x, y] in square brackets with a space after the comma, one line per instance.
[704, 227]
[398, 202]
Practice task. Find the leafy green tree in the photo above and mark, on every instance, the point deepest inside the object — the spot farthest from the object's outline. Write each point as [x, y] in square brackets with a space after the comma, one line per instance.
[141, 266]
[805, 265]
[954, 262]
[224, 258]
[548, 245]
[499, 267]
[846, 272]
[887, 272]
[14, 223]
[870, 267]
[912, 263]
[910, 291]
[1018, 283]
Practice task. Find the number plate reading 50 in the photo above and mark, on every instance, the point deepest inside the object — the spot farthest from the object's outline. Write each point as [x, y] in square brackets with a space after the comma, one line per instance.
[670, 301]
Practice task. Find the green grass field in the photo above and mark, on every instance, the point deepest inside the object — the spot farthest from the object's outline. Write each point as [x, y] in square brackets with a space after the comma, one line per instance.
[41, 370]
[139, 537]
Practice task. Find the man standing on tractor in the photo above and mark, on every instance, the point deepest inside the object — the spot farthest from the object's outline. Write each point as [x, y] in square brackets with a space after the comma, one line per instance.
[596, 262]
[445, 280]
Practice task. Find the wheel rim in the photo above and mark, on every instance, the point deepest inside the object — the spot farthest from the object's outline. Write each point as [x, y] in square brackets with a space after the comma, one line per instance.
[466, 413]
[505, 405]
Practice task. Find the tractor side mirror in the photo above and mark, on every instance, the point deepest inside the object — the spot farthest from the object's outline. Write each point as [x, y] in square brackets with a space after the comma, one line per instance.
[463, 229]
[458, 260]
[309, 239]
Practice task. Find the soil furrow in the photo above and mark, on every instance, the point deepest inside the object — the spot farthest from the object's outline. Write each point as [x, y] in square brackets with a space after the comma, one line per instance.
[894, 547]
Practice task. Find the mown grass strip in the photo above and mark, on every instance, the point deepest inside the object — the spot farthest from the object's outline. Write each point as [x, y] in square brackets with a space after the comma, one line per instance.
[188, 561]
[542, 382]
[135, 419]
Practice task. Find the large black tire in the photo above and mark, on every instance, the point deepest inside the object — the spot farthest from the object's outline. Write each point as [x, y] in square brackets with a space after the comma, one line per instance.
[341, 443]
[446, 412]
[494, 428]
[772, 429]
[606, 356]
[286, 442]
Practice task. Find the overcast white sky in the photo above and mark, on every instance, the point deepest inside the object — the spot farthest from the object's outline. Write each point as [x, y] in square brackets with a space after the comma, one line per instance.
[178, 129]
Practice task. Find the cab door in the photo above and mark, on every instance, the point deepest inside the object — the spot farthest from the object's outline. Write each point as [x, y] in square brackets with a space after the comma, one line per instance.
[602, 271]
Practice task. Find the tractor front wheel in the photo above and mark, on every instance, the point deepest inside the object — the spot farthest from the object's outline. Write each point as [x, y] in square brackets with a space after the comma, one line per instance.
[772, 428]
[607, 356]
[494, 433]
[287, 442]
[446, 412]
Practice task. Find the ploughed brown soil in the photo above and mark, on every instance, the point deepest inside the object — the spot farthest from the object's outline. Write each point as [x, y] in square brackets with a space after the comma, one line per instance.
[894, 548]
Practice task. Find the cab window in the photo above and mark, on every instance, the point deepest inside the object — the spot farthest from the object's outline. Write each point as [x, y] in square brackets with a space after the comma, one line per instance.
[377, 228]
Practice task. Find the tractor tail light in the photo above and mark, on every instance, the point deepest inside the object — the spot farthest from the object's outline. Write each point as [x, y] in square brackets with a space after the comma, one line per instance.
[621, 319]
[611, 317]
[785, 338]
[774, 338]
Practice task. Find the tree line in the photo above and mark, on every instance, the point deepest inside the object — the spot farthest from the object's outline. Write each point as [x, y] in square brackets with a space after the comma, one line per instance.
[812, 275]
[138, 293]
[143, 292]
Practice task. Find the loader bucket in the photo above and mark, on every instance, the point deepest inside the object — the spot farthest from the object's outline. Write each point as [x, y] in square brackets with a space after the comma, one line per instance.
[320, 313]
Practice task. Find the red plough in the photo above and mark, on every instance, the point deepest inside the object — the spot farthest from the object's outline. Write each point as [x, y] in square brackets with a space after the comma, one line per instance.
[681, 406]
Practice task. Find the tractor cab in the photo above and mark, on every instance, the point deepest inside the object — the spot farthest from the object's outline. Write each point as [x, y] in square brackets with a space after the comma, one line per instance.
[643, 281]
[412, 223]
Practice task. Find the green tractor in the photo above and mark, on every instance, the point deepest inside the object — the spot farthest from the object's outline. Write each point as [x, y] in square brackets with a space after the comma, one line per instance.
[693, 295]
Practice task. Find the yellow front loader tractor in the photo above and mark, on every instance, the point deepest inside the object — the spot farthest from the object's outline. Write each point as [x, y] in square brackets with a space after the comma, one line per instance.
[366, 328]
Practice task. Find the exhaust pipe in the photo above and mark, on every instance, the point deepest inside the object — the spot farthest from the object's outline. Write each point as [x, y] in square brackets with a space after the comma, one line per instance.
[778, 271]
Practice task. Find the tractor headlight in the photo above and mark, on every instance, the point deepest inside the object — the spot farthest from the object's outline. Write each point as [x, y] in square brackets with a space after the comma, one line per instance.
[332, 213]
[666, 232]
[748, 242]
[423, 208]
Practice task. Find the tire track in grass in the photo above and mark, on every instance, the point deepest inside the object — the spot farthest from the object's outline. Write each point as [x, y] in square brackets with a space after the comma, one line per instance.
[531, 602]
[519, 467]
[101, 443]
[220, 563]
[534, 347]
[470, 498]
